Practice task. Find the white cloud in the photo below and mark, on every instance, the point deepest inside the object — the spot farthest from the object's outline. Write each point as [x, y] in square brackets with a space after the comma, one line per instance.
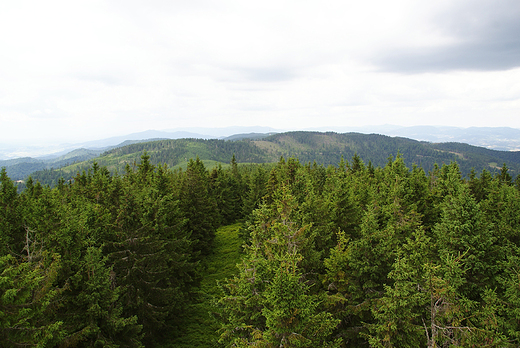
[92, 69]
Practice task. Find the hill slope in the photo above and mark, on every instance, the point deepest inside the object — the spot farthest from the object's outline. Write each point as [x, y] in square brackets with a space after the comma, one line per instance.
[19, 168]
[324, 148]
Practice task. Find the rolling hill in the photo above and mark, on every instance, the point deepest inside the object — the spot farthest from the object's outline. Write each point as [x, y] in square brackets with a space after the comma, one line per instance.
[324, 148]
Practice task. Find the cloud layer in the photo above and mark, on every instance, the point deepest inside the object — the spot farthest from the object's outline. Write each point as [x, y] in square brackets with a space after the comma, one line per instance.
[74, 71]
[483, 36]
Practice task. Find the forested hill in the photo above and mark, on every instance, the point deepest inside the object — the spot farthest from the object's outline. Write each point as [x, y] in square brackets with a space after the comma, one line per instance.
[341, 256]
[19, 168]
[324, 148]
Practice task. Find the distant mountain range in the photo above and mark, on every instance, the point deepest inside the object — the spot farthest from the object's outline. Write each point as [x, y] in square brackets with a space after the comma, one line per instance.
[497, 138]
[18, 167]
[8, 151]
[323, 148]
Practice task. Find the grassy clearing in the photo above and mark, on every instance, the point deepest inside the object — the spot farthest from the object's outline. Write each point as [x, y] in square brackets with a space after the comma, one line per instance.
[268, 146]
[200, 329]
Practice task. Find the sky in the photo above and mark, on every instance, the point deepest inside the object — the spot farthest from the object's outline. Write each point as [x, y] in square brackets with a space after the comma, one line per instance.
[86, 70]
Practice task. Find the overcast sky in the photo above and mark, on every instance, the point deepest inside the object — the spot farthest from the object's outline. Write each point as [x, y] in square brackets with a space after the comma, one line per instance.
[85, 70]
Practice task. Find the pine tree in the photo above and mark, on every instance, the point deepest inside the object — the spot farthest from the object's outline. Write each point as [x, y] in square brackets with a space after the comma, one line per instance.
[152, 255]
[28, 299]
[198, 207]
[95, 309]
[400, 314]
[504, 177]
[464, 230]
[11, 229]
[510, 281]
[256, 190]
[269, 303]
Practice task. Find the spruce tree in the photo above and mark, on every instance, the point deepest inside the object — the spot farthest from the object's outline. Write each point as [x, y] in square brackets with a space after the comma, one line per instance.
[28, 299]
[269, 303]
[198, 207]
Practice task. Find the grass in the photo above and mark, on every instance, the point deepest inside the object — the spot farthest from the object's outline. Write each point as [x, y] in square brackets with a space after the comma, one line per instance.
[201, 329]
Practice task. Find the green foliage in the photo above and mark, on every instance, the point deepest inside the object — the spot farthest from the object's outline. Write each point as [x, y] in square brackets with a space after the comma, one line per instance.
[269, 303]
[400, 313]
[20, 168]
[198, 206]
[200, 325]
[10, 222]
[352, 255]
[256, 190]
[27, 300]
[96, 309]
[463, 230]
[126, 256]
[324, 148]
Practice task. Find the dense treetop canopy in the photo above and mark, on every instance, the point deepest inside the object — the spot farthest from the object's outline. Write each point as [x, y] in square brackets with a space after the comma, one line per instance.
[346, 255]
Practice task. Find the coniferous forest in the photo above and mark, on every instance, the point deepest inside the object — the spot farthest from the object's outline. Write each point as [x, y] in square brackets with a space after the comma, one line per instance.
[351, 255]
[324, 148]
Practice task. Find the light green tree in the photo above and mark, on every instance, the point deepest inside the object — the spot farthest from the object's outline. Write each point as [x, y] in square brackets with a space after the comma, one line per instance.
[269, 304]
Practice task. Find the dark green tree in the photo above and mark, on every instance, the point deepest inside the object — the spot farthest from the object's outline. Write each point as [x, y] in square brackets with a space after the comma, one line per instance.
[28, 299]
[198, 206]
[11, 228]
[269, 303]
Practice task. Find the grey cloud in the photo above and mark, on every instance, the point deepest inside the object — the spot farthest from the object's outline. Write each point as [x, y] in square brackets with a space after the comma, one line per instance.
[487, 36]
